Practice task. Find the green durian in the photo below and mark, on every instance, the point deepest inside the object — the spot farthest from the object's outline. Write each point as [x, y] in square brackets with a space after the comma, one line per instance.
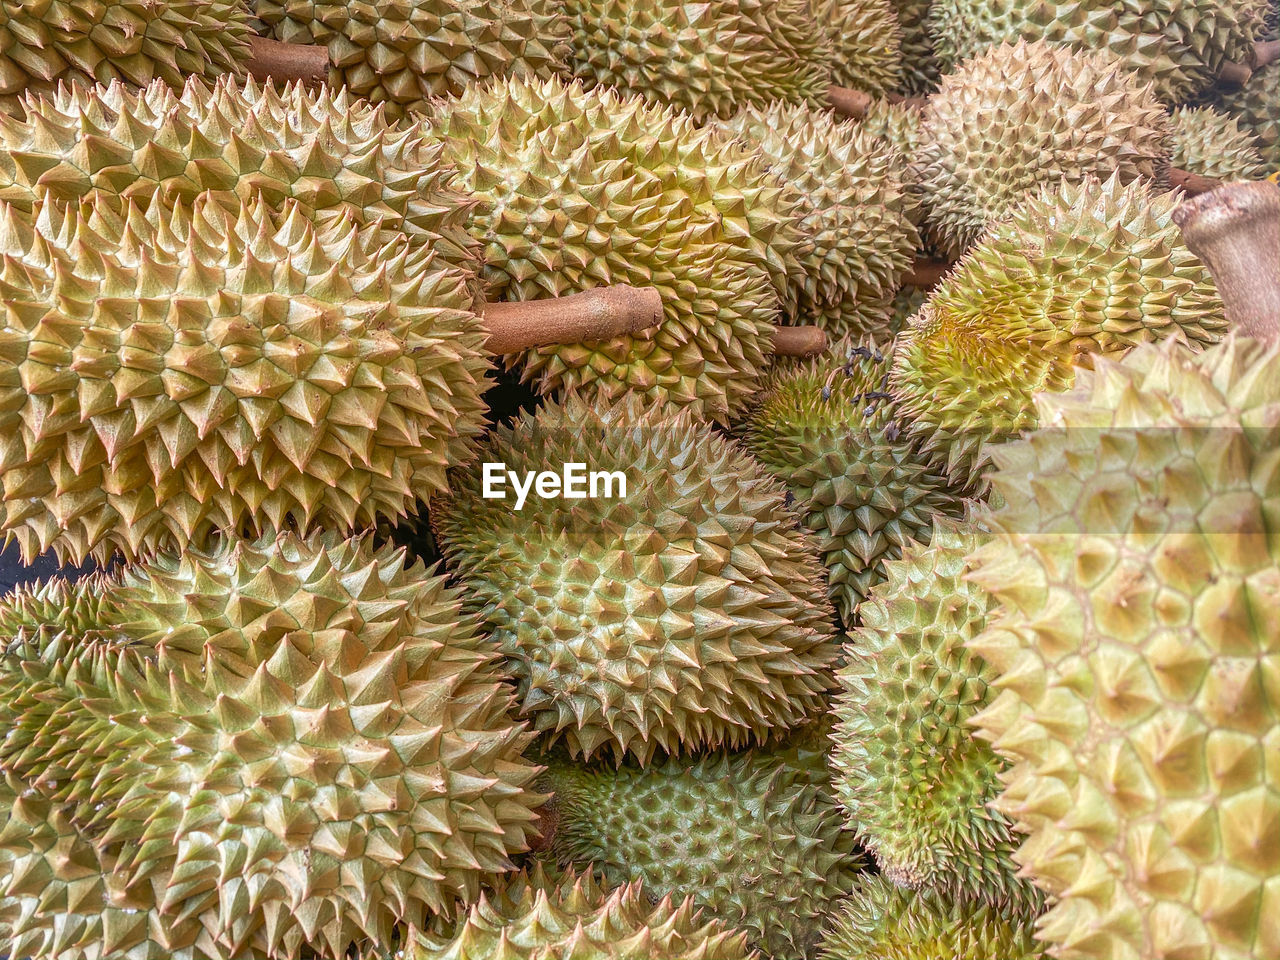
[865, 39]
[187, 370]
[1179, 46]
[584, 188]
[331, 154]
[914, 781]
[921, 71]
[895, 123]
[403, 55]
[573, 917]
[44, 45]
[754, 838]
[831, 433]
[884, 922]
[1079, 270]
[1212, 144]
[708, 59]
[1138, 567]
[278, 748]
[1018, 117]
[681, 610]
[1254, 107]
[858, 237]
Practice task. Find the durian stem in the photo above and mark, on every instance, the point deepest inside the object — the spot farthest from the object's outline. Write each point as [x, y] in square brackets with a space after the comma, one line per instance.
[799, 341]
[601, 313]
[845, 102]
[1193, 184]
[912, 103]
[1235, 230]
[285, 62]
[926, 273]
[1238, 74]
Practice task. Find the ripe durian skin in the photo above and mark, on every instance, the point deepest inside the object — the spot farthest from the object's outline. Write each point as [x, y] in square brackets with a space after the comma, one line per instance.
[192, 370]
[709, 59]
[865, 40]
[403, 55]
[830, 432]
[881, 921]
[1212, 144]
[1254, 107]
[274, 748]
[1017, 117]
[859, 239]
[687, 614]
[1177, 45]
[333, 155]
[914, 781]
[1136, 560]
[1079, 270]
[583, 188]
[43, 45]
[920, 69]
[755, 838]
[574, 917]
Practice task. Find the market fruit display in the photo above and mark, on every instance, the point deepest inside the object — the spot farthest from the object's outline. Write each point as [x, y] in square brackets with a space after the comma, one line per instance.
[681, 608]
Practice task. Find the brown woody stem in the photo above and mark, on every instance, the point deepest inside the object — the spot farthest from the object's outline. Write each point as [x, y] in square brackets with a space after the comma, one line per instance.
[926, 273]
[1238, 74]
[1193, 184]
[848, 103]
[285, 62]
[601, 313]
[1235, 230]
[799, 341]
[914, 103]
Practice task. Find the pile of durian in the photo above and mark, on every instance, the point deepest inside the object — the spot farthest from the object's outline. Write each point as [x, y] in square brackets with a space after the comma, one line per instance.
[936, 616]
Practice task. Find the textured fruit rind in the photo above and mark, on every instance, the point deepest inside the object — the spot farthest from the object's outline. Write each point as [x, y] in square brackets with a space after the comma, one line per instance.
[1136, 558]
[1254, 107]
[865, 41]
[263, 749]
[1212, 144]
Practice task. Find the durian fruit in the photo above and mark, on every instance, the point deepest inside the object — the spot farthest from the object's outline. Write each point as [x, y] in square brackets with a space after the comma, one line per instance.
[1177, 45]
[188, 370]
[1136, 560]
[1017, 117]
[921, 71]
[829, 431]
[1254, 107]
[276, 748]
[683, 609]
[402, 55]
[1085, 269]
[573, 917]
[896, 123]
[755, 838]
[584, 188]
[43, 45]
[708, 59]
[884, 922]
[859, 239]
[914, 781]
[865, 38]
[333, 155]
[1211, 144]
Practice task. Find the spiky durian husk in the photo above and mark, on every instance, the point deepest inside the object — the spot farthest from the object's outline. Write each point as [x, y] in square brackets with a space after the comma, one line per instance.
[573, 917]
[1177, 45]
[1017, 117]
[1136, 560]
[265, 749]
[687, 613]
[865, 38]
[334, 155]
[1254, 107]
[921, 71]
[895, 123]
[915, 782]
[858, 237]
[709, 59]
[583, 188]
[755, 838]
[191, 370]
[1211, 144]
[1085, 269]
[402, 55]
[828, 430]
[45, 44]
[884, 922]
